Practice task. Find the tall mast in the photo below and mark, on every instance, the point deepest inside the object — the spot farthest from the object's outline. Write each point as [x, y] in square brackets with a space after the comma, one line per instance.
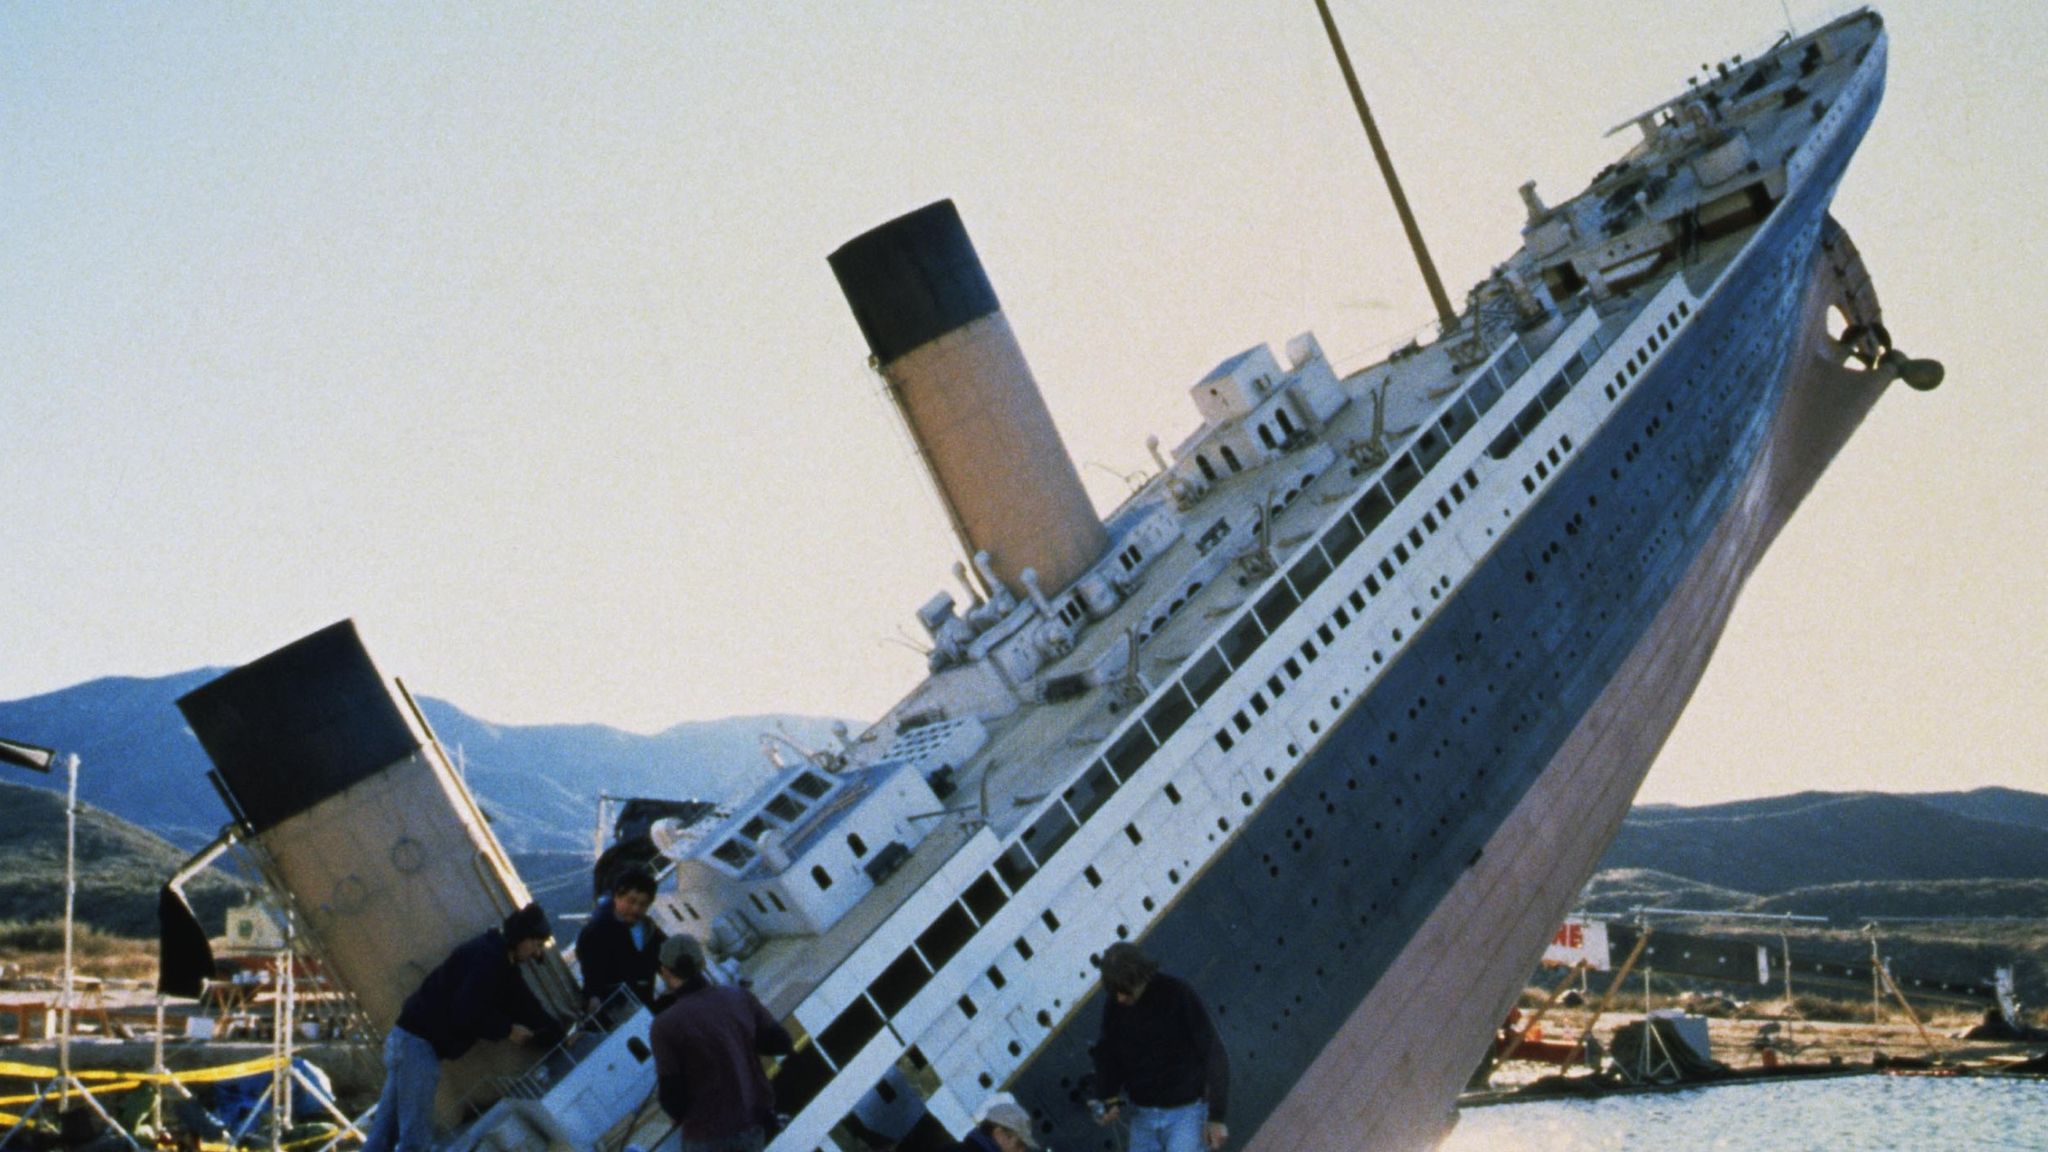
[1447, 320]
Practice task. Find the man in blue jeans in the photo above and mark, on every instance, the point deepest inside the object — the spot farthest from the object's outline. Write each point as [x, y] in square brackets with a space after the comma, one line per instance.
[1160, 1052]
[476, 994]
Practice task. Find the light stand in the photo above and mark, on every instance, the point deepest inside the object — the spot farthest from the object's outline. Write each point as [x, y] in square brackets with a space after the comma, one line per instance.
[39, 759]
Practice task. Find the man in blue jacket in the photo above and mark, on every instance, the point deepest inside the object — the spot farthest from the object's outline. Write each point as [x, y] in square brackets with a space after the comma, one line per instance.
[620, 945]
[476, 994]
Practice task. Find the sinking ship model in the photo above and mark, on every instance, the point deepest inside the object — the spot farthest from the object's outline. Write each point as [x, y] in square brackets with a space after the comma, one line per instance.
[1334, 715]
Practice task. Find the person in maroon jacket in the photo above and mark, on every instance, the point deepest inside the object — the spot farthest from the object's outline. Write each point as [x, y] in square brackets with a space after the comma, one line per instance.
[708, 1043]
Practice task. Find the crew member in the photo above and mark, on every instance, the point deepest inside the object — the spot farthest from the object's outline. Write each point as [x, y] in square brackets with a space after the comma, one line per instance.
[621, 944]
[1160, 1052]
[1004, 1127]
[476, 994]
[707, 1046]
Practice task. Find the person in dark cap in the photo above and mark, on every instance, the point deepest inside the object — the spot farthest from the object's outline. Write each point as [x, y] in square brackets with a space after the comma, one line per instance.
[619, 946]
[707, 1045]
[475, 994]
[1159, 1051]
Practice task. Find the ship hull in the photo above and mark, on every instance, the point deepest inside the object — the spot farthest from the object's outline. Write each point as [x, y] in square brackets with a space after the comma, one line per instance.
[1375, 916]
[1385, 1078]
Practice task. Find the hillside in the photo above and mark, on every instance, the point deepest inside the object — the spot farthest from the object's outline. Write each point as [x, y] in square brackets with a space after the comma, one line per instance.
[1951, 884]
[1768, 846]
[120, 868]
[539, 783]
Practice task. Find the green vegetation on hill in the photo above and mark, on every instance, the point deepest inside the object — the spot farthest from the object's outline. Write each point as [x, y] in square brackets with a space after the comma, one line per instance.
[120, 868]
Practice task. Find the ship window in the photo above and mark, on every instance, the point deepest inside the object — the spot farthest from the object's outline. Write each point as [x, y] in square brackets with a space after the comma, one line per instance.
[1266, 436]
[1529, 419]
[1308, 650]
[1230, 459]
[1554, 392]
[901, 980]
[1430, 448]
[777, 901]
[758, 906]
[1357, 601]
[1286, 425]
[1323, 630]
[1662, 331]
[754, 828]
[1455, 420]
[858, 846]
[1400, 553]
[734, 855]
[843, 1039]
[1528, 485]
[1341, 539]
[1052, 830]
[1504, 444]
[1224, 741]
[1342, 617]
[1052, 922]
[1093, 877]
[1575, 367]
[1091, 791]
[1208, 470]
[1166, 717]
[1132, 749]
[823, 877]
[1259, 704]
[1023, 948]
[810, 786]
[1207, 675]
[1682, 309]
[1015, 866]
[1293, 667]
[1276, 605]
[947, 935]
[996, 978]
[1131, 830]
[967, 1008]
[1415, 537]
[1243, 722]
[1308, 572]
[1404, 476]
[1371, 509]
[1443, 508]
[785, 809]
[985, 897]
[1172, 794]
[1486, 392]
[1241, 641]
[1276, 686]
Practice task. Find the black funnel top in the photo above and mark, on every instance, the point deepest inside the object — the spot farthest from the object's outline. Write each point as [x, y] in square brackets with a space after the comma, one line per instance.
[913, 280]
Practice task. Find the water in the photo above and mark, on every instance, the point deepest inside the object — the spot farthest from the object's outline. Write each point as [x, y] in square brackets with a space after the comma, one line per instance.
[1849, 1114]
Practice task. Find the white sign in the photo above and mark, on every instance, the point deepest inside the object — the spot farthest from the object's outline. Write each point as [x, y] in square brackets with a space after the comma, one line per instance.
[1578, 941]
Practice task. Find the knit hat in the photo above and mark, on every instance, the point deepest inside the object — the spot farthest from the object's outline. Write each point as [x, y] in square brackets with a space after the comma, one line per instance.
[682, 954]
[1011, 1115]
[529, 923]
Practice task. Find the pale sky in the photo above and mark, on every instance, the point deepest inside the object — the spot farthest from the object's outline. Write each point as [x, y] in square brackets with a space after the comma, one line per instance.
[509, 332]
